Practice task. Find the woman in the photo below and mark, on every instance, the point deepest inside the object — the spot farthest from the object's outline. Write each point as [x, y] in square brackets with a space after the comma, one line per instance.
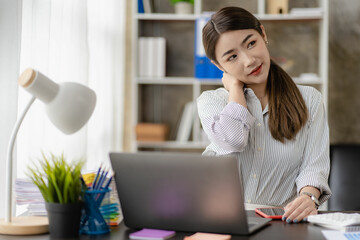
[278, 130]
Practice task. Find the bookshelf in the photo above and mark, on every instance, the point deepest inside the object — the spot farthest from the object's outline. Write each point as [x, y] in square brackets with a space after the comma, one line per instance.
[161, 99]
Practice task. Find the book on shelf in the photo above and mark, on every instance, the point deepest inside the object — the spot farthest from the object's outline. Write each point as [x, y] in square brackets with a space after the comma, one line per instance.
[148, 6]
[143, 57]
[152, 56]
[204, 68]
[186, 122]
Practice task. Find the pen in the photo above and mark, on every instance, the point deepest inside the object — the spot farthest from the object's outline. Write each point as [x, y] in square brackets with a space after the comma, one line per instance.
[96, 177]
[102, 179]
[83, 181]
[96, 187]
[108, 183]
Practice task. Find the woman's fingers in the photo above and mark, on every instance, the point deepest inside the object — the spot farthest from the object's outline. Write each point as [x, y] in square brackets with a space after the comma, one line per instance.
[299, 209]
[230, 82]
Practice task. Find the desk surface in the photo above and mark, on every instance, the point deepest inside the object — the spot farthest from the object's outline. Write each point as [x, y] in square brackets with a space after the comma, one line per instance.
[275, 230]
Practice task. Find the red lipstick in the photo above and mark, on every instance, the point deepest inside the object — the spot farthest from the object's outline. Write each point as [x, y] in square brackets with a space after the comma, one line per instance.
[256, 71]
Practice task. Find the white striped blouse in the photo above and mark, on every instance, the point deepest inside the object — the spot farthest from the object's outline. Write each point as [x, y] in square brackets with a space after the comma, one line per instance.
[273, 172]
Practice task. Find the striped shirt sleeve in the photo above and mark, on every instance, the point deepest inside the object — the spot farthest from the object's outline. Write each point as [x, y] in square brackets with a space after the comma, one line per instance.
[227, 124]
[315, 167]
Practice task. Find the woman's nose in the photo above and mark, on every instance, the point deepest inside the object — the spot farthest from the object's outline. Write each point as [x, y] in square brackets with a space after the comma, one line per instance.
[248, 60]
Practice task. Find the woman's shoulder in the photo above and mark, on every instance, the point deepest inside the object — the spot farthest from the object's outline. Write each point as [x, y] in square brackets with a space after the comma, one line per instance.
[309, 93]
[219, 93]
[312, 97]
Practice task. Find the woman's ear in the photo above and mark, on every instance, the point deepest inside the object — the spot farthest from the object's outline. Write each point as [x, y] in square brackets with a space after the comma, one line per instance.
[218, 66]
[263, 33]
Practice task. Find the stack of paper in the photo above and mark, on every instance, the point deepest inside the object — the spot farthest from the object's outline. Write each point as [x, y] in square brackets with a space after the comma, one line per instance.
[27, 193]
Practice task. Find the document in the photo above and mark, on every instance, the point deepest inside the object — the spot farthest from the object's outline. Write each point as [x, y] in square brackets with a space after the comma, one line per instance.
[340, 235]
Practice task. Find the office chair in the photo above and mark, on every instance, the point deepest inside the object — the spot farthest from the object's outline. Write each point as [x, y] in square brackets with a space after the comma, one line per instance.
[344, 178]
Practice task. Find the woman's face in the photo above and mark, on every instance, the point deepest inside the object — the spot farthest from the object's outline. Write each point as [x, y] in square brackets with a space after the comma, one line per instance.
[244, 55]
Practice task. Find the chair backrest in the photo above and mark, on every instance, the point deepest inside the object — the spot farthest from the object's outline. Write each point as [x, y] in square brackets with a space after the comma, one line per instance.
[344, 178]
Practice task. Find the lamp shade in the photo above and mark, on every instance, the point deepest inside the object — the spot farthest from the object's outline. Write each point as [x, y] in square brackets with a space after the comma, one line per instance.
[68, 105]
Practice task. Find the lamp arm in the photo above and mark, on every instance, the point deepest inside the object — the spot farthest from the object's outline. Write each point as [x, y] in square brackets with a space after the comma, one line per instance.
[9, 163]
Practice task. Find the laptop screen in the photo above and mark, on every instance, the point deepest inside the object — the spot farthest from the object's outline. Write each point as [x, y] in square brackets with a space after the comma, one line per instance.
[182, 192]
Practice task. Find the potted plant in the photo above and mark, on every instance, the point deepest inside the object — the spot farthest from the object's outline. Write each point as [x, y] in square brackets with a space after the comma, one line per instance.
[60, 185]
[183, 6]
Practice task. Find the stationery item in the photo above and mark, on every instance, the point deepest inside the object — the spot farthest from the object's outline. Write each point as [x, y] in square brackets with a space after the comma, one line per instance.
[96, 178]
[204, 69]
[340, 235]
[208, 236]
[92, 222]
[108, 183]
[336, 220]
[270, 212]
[101, 180]
[152, 234]
[28, 194]
[89, 178]
[83, 181]
[140, 6]
[110, 212]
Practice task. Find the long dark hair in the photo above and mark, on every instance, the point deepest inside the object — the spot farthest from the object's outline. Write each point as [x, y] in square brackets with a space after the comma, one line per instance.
[287, 109]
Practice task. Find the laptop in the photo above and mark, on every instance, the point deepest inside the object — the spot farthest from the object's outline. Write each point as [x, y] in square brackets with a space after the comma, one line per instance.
[182, 192]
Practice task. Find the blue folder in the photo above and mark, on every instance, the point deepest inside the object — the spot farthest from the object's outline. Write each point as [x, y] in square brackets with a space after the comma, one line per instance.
[204, 69]
[140, 6]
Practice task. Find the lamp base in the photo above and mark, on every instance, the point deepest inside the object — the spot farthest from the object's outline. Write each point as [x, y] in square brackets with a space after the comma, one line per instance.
[25, 225]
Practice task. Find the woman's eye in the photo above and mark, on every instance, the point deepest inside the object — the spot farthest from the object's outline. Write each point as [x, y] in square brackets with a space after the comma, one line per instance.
[251, 44]
[232, 57]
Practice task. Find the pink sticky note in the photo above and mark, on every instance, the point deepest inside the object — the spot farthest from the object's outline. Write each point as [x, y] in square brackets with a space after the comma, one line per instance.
[208, 236]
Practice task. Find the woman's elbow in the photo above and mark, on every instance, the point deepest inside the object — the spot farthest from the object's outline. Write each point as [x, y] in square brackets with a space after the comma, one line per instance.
[232, 143]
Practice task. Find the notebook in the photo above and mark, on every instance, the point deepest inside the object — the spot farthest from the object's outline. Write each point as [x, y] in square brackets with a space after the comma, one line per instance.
[182, 192]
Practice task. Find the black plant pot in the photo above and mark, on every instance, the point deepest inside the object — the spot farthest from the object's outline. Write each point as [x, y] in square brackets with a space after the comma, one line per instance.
[64, 219]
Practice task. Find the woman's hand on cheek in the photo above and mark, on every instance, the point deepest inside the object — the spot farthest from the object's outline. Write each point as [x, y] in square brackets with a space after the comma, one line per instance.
[299, 209]
[231, 82]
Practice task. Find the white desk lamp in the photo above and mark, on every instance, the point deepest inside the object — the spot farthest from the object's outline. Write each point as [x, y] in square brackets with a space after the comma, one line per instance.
[69, 106]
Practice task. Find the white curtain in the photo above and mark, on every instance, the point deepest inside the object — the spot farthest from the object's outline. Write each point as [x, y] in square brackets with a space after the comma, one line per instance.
[10, 29]
[78, 41]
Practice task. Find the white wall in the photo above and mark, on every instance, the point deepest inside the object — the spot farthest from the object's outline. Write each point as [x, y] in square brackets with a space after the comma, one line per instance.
[10, 29]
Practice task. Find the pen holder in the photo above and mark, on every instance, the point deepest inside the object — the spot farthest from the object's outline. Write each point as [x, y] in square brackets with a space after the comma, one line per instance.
[92, 221]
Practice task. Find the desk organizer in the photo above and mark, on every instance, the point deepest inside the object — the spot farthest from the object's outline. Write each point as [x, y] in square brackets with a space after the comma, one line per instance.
[92, 221]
